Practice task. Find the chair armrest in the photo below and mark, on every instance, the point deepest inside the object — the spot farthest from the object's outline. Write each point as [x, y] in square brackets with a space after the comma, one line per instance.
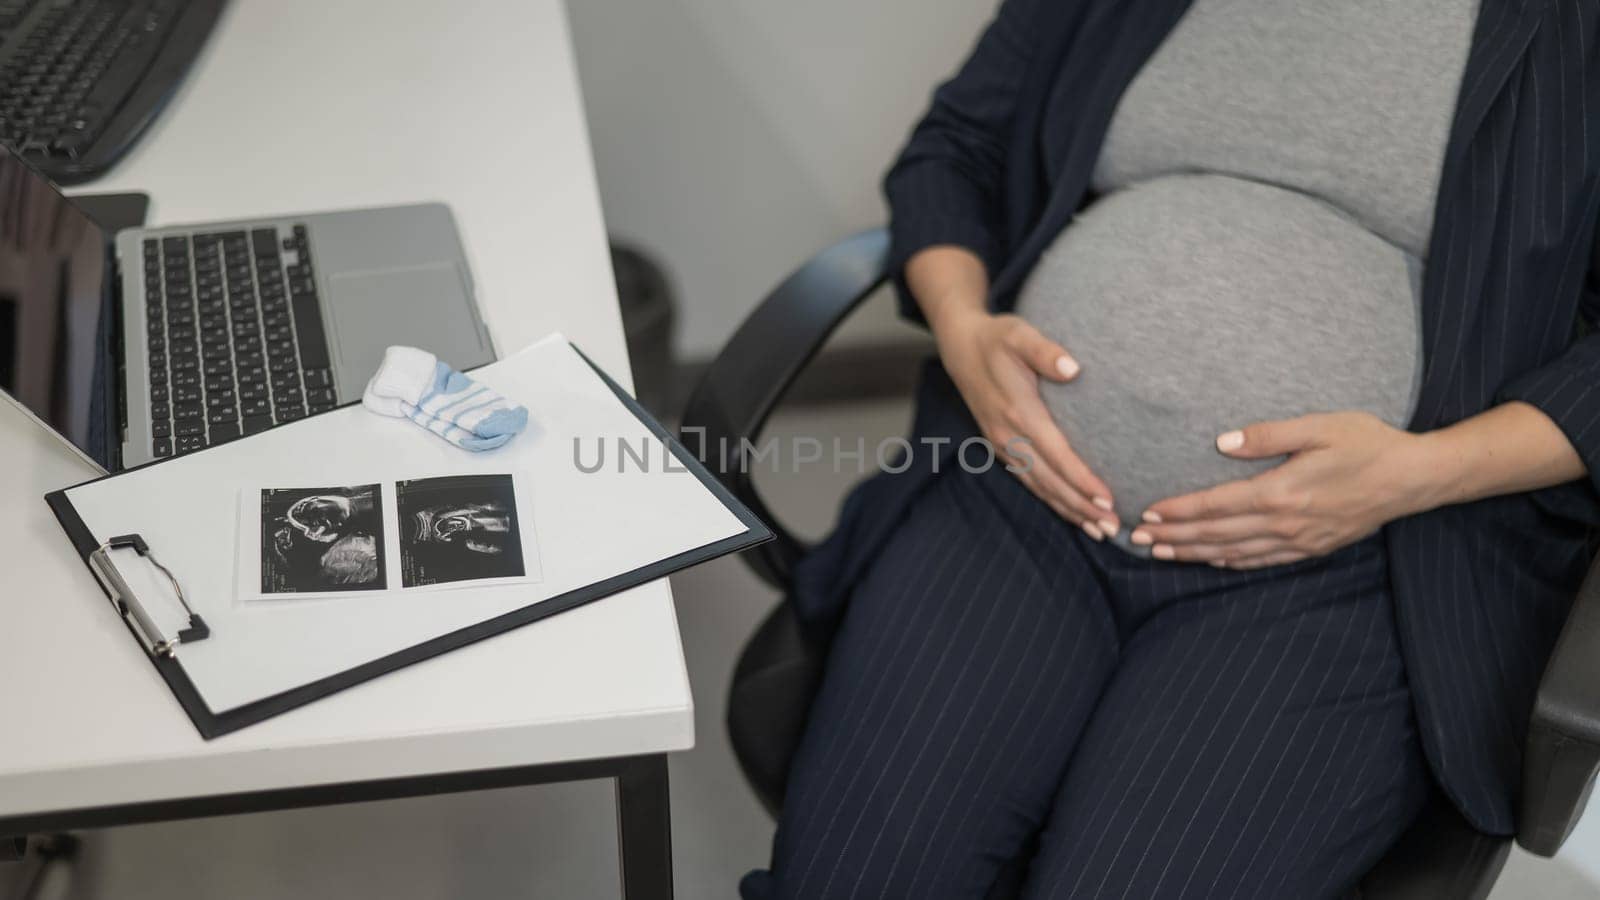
[1564, 735]
[747, 380]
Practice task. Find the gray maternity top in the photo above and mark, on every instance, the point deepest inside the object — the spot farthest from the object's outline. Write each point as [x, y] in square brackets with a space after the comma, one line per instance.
[1267, 191]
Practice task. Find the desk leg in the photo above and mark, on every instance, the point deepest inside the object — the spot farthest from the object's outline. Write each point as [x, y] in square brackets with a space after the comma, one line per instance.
[644, 829]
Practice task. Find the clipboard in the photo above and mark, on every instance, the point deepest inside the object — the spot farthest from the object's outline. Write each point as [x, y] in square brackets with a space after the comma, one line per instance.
[186, 632]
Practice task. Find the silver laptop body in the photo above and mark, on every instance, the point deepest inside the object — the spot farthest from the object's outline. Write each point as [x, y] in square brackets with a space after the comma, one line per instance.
[225, 318]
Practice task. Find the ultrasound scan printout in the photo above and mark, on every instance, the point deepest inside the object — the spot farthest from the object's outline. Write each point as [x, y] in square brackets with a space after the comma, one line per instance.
[418, 534]
[315, 540]
[458, 528]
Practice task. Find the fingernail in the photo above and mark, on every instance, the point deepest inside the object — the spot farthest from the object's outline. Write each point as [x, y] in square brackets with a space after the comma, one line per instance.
[1110, 526]
[1219, 564]
[1162, 551]
[1151, 516]
[1103, 503]
[1067, 366]
[1229, 441]
[1091, 531]
[1142, 537]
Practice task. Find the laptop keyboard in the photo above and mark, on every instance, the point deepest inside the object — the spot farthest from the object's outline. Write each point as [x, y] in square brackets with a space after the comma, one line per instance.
[235, 336]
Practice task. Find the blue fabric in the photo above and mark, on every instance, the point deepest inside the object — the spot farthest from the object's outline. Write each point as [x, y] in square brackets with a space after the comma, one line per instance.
[492, 431]
[1002, 161]
[1003, 688]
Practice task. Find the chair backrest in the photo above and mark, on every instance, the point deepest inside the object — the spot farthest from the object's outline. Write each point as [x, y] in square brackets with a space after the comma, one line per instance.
[729, 408]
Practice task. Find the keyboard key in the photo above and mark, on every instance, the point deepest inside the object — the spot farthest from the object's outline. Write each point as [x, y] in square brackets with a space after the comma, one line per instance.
[190, 428]
[162, 447]
[290, 414]
[318, 378]
[308, 326]
[160, 410]
[158, 392]
[254, 406]
[321, 396]
[190, 443]
[256, 424]
[222, 433]
[161, 428]
[223, 415]
[189, 393]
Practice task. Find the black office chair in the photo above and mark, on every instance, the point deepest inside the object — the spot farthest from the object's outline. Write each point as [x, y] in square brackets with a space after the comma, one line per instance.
[1442, 856]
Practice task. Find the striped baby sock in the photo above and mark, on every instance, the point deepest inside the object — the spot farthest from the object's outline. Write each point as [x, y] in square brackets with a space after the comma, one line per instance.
[414, 384]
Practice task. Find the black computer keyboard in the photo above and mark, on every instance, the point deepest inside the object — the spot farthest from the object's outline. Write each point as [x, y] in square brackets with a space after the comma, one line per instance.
[81, 79]
[235, 336]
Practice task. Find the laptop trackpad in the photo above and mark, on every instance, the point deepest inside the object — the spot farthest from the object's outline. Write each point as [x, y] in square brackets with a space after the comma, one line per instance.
[425, 306]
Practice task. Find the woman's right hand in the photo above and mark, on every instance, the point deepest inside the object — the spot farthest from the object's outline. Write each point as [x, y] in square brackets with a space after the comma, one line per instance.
[996, 362]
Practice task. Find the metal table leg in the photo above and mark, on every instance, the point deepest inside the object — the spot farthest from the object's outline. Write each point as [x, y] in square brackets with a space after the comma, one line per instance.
[644, 829]
[30, 864]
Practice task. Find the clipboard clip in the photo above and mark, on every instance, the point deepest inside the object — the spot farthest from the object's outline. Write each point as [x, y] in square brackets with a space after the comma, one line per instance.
[131, 609]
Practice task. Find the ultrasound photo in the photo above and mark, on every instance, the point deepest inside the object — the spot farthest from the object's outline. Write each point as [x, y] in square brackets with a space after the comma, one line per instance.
[458, 528]
[322, 540]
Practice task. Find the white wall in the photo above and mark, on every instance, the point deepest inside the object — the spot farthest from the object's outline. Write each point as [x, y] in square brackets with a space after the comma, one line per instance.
[735, 137]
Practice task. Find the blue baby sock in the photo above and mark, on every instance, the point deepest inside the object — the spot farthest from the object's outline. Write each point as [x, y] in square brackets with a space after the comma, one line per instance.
[415, 384]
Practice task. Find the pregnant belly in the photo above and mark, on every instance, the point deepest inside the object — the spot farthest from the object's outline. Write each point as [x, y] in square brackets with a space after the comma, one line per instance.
[1201, 303]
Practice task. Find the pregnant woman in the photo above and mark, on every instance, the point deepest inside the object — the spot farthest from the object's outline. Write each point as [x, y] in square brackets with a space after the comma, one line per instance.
[1273, 310]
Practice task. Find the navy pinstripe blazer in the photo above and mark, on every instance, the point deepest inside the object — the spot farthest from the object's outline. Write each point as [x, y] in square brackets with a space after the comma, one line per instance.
[1001, 162]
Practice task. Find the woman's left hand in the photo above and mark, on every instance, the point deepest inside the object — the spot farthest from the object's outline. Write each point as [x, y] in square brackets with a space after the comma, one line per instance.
[1347, 474]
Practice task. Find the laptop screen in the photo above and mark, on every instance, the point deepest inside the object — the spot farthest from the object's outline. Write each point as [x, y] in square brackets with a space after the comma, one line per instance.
[55, 314]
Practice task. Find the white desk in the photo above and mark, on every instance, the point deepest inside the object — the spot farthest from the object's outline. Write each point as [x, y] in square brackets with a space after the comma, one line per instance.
[300, 105]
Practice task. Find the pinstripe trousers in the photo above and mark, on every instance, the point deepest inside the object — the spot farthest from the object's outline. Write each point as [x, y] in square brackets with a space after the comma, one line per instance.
[1003, 689]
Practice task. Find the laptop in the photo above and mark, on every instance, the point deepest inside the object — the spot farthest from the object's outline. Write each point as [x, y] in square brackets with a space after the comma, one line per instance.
[154, 342]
